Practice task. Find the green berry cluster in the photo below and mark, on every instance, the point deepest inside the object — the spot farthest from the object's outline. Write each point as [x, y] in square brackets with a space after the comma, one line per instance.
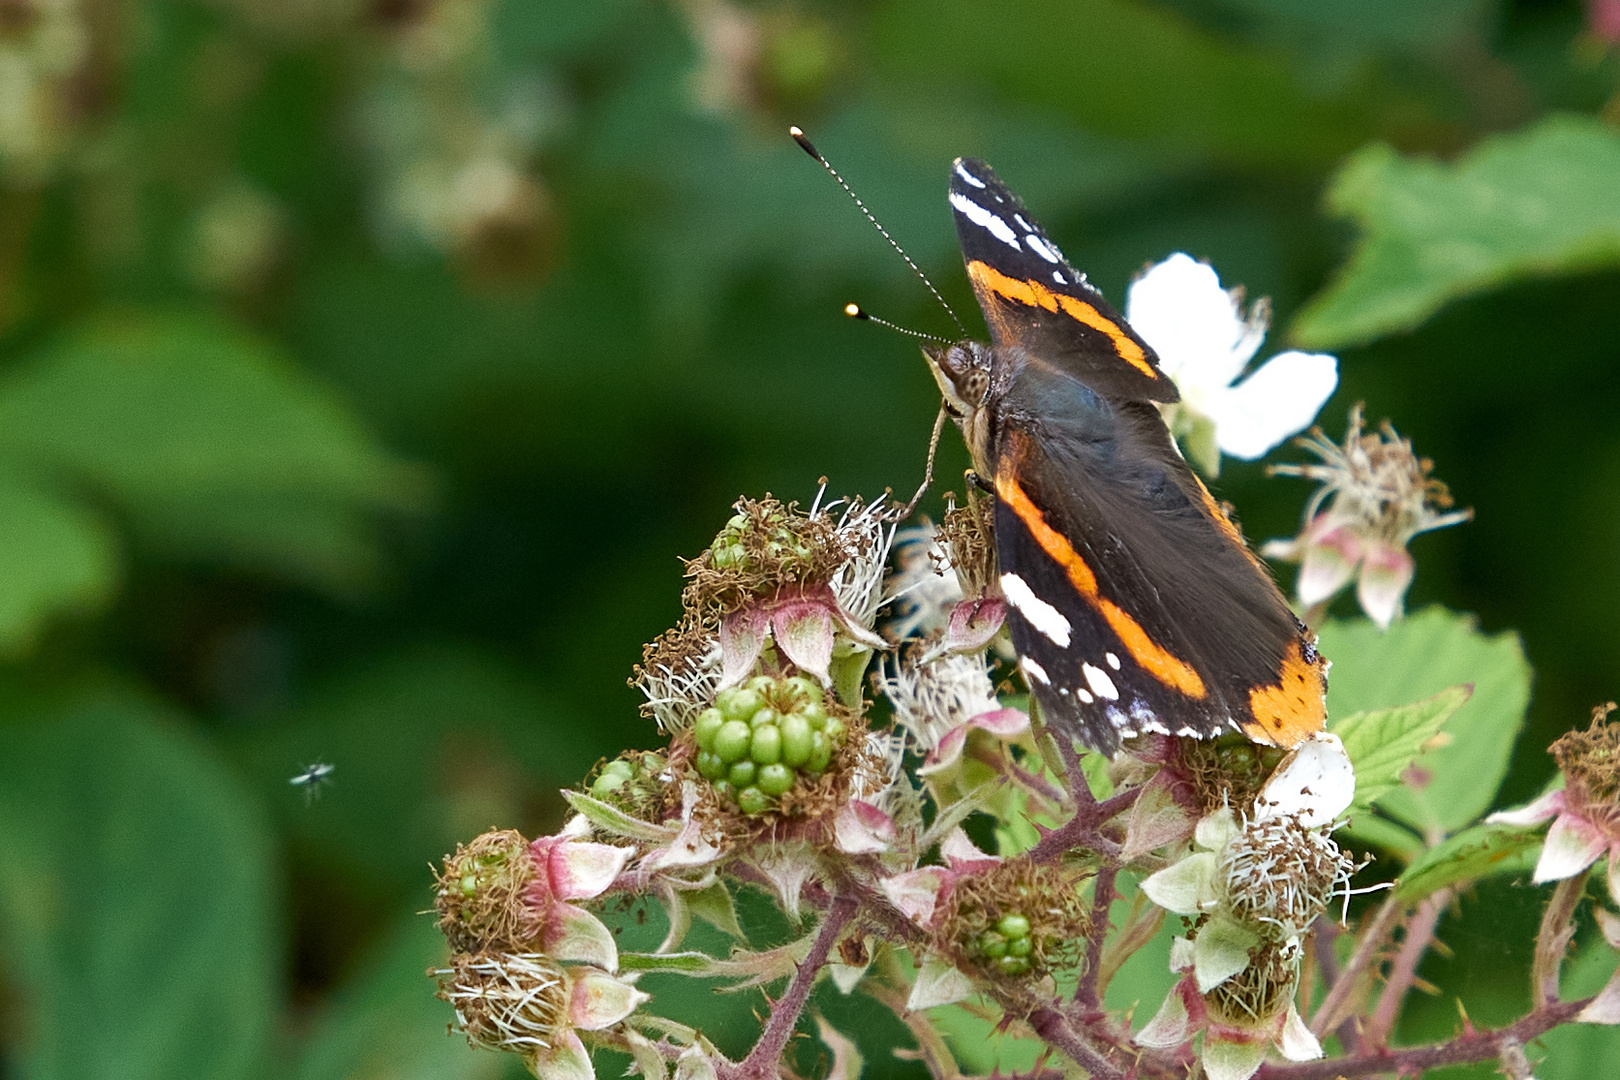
[632, 782]
[782, 543]
[1007, 947]
[756, 739]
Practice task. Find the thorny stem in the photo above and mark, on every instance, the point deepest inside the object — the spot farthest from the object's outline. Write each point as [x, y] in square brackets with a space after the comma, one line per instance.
[1082, 830]
[1102, 898]
[1411, 1061]
[1373, 935]
[1419, 933]
[763, 1060]
[1055, 1028]
[1004, 763]
[1552, 941]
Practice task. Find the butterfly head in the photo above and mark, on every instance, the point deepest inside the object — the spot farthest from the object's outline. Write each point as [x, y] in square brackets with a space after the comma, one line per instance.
[962, 370]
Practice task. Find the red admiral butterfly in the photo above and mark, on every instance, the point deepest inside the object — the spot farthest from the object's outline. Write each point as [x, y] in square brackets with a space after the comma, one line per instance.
[1135, 605]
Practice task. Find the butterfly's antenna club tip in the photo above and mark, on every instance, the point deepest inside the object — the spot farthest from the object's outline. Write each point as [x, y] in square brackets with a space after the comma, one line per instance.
[855, 311]
[805, 144]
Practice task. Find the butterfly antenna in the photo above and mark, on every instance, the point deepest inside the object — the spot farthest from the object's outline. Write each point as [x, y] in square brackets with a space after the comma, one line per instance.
[855, 311]
[809, 148]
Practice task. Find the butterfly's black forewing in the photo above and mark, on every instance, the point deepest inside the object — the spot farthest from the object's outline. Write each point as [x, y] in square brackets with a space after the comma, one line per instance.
[1034, 300]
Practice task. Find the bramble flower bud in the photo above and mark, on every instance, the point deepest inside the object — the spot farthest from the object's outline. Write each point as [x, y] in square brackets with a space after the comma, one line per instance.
[480, 893]
[1381, 497]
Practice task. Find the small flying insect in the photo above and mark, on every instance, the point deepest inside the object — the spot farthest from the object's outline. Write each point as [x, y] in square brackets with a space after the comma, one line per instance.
[315, 776]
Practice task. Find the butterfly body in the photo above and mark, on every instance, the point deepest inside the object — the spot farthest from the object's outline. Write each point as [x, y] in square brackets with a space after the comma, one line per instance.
[1133, 602]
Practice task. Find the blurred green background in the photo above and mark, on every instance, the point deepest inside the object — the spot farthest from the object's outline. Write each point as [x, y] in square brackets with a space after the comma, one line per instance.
[366, 364]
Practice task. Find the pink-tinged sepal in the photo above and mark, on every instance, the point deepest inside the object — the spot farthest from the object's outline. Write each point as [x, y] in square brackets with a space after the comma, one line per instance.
[863, 829]
[598, 1000]
[1173, 1024]
[566, 1060]
[742, 639]
[915, 893]
[575, 870]
[1545, 808]
[574, 934]
[1605, 1007]
[1572, 844]
[1005, 725]
[973, 625]
[1386, 573]
[804, 632]
[1331, 554]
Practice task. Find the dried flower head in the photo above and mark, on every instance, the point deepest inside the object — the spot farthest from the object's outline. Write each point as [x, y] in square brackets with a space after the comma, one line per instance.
[480, 893]
[1282, 873]
[1381, 497]
[1013, 918]
[765, 546]
[967, 536]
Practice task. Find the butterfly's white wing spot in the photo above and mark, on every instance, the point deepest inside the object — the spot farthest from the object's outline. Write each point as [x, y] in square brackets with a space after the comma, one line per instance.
[1113, 660]
[1042, 248]
[1084, 695]
[1100, 683]
[968, 177]
[1045, 618]
[984, 219]
[1035, 671]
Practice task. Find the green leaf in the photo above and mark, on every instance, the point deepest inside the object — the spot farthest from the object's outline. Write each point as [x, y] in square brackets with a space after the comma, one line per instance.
[1476, 852]
[1422, 655]
[59, 557]
[387, 1025]
[1148, 74]
[136, 897]
[685, 963]
[214, 444]
[715, 906]
[1382, 744]
[1371, 831]
[1538, 201]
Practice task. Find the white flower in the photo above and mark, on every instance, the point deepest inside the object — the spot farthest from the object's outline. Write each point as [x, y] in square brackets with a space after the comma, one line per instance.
[1204, 341]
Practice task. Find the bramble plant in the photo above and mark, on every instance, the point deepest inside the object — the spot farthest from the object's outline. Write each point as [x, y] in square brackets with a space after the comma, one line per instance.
[842, 735]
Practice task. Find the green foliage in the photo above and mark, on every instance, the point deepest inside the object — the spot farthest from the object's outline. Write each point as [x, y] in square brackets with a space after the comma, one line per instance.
[1538, 201]
[1383, 744]
[136, 894]
[59, 557]
[1419, 656]
[1478, 851]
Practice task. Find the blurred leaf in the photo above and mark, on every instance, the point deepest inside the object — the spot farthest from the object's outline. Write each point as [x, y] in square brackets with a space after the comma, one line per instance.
[210, 440]
[1128, 70]
[1421, 655]
[1382, 744]
[430, 747]
[136, 895]
[979, 1048]
[387, 1025]
[58, 557]
[1538, 201]
[1476, 852]
[1370, 830]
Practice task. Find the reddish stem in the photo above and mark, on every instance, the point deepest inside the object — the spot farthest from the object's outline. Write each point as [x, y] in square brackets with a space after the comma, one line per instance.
[1089, 992]
[1419, 933]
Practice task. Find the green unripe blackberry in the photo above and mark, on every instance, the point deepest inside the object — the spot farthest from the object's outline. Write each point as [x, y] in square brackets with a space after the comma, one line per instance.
[709, 765]
[992, 945]
[738, 522]
[729, 556]
[751, 800]
[815, 713]
[1013, 926]
[731, 741]
[799, 690]
[766, 717]
[738, 703]
[724, 789]
[1013, 965]
[834, 731]
[708, 722]
[763, 685]
[775, 780]
[766, 747]
[742, 773]
[821, 749]
[796, 740]
[1021, 946]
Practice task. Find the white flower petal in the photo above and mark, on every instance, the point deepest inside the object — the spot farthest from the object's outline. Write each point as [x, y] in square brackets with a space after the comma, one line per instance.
[1548, 806]
[1386, 572]
[1282, 397]
[1315, 782]
[1194, 325]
